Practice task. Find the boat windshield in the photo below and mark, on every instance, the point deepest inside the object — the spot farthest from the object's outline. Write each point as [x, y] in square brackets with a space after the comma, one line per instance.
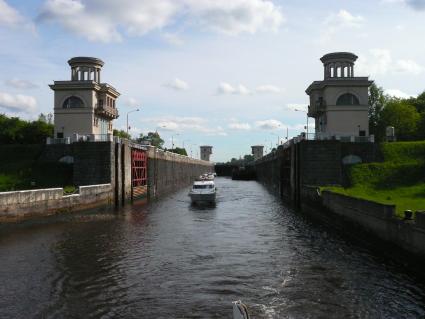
[202, 186]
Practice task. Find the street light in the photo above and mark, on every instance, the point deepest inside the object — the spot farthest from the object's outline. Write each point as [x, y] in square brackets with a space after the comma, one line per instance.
[136, 110]
[306, 112]
[172, 140]
[278, 138]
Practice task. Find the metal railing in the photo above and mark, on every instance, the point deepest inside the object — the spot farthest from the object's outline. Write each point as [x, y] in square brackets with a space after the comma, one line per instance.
[320, 136]
[107, 111]
[75, 138]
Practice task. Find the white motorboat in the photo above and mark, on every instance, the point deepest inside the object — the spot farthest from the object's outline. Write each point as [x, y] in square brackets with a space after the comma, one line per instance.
[203, 191]
[207, 176]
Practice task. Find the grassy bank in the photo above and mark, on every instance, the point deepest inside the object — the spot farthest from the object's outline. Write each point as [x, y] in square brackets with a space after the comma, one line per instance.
[399, 180]
[20, 169]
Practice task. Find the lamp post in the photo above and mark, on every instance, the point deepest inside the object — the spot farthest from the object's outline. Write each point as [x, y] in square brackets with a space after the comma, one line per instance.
[306, 112]
[278, 138]
[172, 140]
[136, 110]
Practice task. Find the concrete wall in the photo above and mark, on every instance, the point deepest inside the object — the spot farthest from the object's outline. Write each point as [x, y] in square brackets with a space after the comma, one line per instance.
[92, 161]
[22, 205]
[378, 219]
[107, 163]
[310, 163]
[168, 172]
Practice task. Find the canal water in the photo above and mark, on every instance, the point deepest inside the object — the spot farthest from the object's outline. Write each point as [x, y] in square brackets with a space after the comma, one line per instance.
[170, 260]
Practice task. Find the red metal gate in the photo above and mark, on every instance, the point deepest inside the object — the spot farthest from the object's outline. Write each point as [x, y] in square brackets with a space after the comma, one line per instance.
[139, 165]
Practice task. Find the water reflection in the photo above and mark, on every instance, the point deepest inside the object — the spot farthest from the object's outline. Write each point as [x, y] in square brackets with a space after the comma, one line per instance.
[170, 259]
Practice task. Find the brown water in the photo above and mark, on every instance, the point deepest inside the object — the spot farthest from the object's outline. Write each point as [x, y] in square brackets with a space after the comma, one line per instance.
[170, 260]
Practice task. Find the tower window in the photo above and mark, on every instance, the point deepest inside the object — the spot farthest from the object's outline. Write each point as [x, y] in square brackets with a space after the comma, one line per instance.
[348, 99]
[73, 102]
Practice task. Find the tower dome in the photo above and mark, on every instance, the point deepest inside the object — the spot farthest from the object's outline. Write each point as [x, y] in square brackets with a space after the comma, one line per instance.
[85, 68]
[338, 64]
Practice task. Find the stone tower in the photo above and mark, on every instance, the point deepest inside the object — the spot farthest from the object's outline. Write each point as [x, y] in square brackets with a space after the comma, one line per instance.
[257, 151]
[84, 105]
[339, 103]
[206, 151]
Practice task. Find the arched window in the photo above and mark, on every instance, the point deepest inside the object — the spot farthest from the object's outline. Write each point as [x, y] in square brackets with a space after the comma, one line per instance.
[73, 102]
[347, 99]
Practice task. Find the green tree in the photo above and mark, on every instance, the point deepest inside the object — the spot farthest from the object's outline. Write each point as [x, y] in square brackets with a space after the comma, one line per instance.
[403, 116]
[16, 131]
[36, 132]
[153, 138]
[178, 150]
[248, 158]
[122, 134]
[418, 102]
[421, 127]
[377, 102]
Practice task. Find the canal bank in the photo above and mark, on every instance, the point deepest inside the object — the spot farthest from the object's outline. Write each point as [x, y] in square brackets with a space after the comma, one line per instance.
[106, 173]
[168, 259]
[291, 171]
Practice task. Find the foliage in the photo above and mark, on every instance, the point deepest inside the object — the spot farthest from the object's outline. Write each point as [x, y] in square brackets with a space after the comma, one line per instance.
[122, 134]
[406, 115]
[20, 169]
[178, 150]
[403, 116]
[16, 131]
[247, 159]
[377, 101]
[399, 180]
[153, 138]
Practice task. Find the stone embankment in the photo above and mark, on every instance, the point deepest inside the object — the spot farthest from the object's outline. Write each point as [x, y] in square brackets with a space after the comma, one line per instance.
[379, 220]
[28, 204]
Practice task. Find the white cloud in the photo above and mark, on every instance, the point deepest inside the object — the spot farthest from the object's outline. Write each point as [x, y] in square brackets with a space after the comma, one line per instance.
[295, 107]
[172, 38]
[20, 84]
[380, 61]
[414, 4]
[177, 84]
[236, 16]
[180, 124]
[132, 102]
[398, 93]
[9, 16]
[336, 22]
[226, 88]
[408, 66]
[107, 20]
[239, 126]
[267, 88]
[269, 124]
[18, 103]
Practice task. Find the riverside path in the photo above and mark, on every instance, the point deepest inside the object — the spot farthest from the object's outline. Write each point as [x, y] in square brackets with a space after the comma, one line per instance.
[168, 259]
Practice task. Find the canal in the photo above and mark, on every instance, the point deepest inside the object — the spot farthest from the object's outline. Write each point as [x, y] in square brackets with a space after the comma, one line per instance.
[170, 260]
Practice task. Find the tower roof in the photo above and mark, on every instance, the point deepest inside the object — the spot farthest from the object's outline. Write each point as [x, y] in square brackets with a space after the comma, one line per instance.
[83, 60]
[339, 57]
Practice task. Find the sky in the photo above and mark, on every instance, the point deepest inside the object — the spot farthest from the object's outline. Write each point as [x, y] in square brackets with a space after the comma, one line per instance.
[225, 73]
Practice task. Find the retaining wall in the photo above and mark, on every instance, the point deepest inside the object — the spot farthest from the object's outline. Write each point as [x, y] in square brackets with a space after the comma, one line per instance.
[92, 161]
[168, 172]
[378, 219]
[21, 205]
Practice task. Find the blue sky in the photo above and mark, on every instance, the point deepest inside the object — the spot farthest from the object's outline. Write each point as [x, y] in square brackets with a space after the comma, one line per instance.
[218, 72]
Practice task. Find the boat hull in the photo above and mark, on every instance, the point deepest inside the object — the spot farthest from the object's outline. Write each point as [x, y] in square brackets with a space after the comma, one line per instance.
[202, 198]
